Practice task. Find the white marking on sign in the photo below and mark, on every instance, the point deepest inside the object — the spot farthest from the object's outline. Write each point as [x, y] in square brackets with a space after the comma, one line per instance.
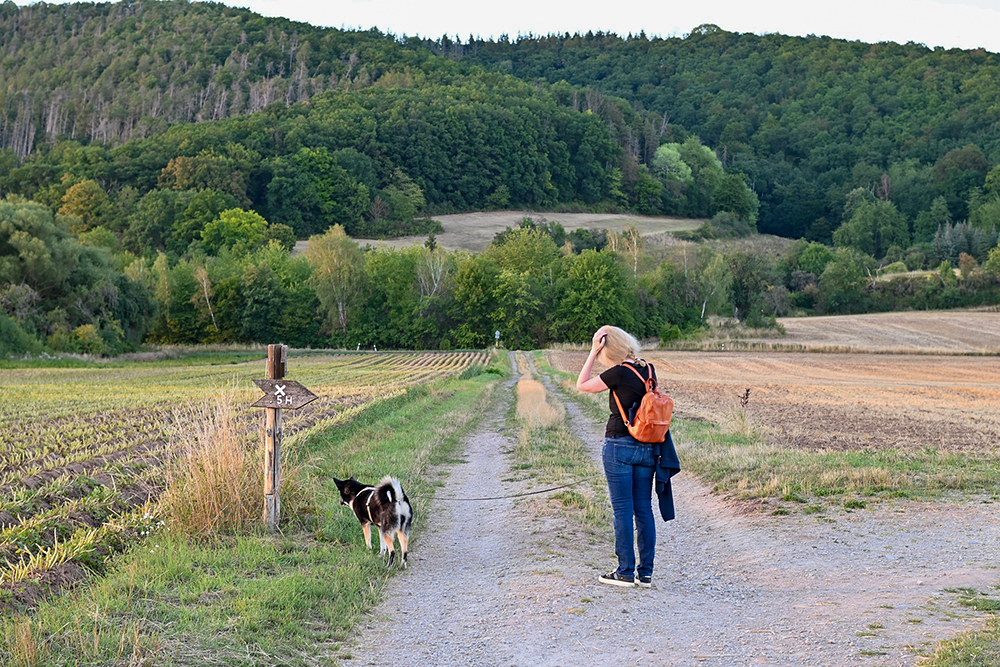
[279, 390]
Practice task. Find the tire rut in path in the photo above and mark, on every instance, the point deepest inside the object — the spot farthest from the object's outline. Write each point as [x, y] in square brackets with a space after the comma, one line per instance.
[503, 583]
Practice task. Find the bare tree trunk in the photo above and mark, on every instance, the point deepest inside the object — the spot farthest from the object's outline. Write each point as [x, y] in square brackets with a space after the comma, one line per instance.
[202, 275]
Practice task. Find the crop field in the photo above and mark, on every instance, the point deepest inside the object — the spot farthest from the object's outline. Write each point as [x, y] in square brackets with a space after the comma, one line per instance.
[82, 449]
[837, 401]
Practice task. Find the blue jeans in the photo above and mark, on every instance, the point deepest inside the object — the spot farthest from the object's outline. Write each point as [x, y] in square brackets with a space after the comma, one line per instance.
[630, 468]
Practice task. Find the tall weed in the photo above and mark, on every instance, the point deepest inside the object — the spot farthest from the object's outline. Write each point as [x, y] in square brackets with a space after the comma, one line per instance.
[215, 483]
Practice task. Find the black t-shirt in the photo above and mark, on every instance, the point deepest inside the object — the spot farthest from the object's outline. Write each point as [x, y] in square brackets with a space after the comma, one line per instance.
[630, 391]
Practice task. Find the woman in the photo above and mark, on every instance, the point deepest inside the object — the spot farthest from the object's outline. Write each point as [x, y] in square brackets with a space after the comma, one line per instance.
[629, 465]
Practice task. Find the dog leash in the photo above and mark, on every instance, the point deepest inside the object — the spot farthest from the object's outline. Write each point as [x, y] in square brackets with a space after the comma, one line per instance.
[516, 495]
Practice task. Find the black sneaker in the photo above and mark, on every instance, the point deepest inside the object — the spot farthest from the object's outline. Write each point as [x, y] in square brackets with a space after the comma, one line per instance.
[645, 582]
[616, 579]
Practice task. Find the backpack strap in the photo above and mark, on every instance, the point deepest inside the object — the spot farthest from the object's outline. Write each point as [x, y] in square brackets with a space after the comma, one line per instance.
[650, 385]
[649, 382]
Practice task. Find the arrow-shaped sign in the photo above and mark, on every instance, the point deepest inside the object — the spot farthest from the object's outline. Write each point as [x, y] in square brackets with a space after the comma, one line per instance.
[287, 394]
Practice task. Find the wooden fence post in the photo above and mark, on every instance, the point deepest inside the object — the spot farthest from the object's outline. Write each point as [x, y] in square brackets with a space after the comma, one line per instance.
[277, 360]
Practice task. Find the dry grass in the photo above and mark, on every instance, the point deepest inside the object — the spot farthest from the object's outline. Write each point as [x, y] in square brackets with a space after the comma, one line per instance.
[92, 637]
[474, 231]
[215, 484]
[533, 408]
[546, 448]
[25, 649]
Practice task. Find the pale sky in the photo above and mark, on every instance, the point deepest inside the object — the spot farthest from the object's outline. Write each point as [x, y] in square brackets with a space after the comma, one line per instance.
[966, 24]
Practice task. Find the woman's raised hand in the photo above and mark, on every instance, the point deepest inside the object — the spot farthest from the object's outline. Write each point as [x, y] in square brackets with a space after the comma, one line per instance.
[600, 339]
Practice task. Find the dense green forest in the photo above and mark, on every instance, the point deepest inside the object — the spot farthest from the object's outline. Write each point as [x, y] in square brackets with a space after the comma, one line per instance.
[158, 161]
[807, 119]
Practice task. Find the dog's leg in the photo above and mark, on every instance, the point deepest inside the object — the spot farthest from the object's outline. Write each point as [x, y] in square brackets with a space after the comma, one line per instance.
[381, 544]
[404, 541]
[366, 528]
[387, 541]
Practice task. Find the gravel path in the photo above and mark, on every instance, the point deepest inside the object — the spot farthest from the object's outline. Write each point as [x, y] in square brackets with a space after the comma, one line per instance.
[513, 582]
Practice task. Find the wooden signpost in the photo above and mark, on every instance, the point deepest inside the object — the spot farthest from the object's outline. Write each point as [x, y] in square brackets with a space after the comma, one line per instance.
[280, 394]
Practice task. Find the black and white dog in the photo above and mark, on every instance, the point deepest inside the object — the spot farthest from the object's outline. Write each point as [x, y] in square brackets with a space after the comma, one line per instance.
[384, 505]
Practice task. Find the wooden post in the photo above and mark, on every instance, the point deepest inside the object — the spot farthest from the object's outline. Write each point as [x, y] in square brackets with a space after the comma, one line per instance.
[277, 356]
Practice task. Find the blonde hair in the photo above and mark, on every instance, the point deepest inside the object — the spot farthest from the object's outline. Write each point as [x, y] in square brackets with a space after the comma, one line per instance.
[619, 346]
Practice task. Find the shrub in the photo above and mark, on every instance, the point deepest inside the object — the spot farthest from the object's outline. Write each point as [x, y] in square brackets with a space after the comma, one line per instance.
[915, 260]
[725, 225]
[89, 340]
[15, 340]
[670, 332]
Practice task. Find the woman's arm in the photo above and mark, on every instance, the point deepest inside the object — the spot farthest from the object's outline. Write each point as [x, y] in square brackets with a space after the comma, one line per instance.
[584, 382]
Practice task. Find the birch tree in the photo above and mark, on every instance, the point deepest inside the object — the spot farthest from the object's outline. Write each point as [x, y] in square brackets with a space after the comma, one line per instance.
[338, 273]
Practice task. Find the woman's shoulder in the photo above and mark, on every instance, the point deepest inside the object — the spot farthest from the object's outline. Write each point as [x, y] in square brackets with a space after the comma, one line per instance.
[612, 374]
[642, 366]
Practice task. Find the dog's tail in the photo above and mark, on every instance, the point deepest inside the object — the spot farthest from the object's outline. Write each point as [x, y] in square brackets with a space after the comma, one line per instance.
[390, 491]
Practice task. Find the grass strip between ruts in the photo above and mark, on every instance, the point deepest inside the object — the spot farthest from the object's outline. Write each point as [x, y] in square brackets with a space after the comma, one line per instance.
[254, 599]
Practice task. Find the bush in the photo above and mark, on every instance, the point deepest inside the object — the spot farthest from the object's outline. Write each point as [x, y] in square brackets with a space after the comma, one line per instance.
[15, 340]
[725, 225]
[895, 267]
[283, 234]
[89, 341]
[915, 260]
[670, 332]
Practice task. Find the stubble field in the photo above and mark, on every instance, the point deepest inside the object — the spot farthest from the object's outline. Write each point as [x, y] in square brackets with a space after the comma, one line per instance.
[474, 231]
[850, 401]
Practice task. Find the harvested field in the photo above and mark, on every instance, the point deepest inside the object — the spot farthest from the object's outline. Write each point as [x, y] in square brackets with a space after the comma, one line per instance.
[927, 332]
[474, 231]
[837, 401]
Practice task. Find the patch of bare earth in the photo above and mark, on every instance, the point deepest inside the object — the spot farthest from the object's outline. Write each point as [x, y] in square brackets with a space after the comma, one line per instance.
[514, 581]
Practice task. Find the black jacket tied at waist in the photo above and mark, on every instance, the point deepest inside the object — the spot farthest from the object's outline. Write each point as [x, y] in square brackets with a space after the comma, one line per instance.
[667, 465]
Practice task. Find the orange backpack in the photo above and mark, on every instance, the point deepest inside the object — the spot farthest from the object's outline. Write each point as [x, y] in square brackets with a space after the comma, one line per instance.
[652, 419]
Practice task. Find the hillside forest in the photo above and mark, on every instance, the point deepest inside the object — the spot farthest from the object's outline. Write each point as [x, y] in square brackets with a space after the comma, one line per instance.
[159, 160]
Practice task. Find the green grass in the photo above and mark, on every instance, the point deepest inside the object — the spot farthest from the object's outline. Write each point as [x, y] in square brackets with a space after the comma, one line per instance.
[970, 649]
[255, 599]
[749, 467]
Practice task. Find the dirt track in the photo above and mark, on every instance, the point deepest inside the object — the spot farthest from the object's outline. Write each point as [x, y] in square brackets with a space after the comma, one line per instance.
[513, 582]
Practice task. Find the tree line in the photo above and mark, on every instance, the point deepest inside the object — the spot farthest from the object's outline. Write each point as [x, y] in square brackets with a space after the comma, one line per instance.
[805, 119]
[802, 121]
[880, 158]
[60, 292]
